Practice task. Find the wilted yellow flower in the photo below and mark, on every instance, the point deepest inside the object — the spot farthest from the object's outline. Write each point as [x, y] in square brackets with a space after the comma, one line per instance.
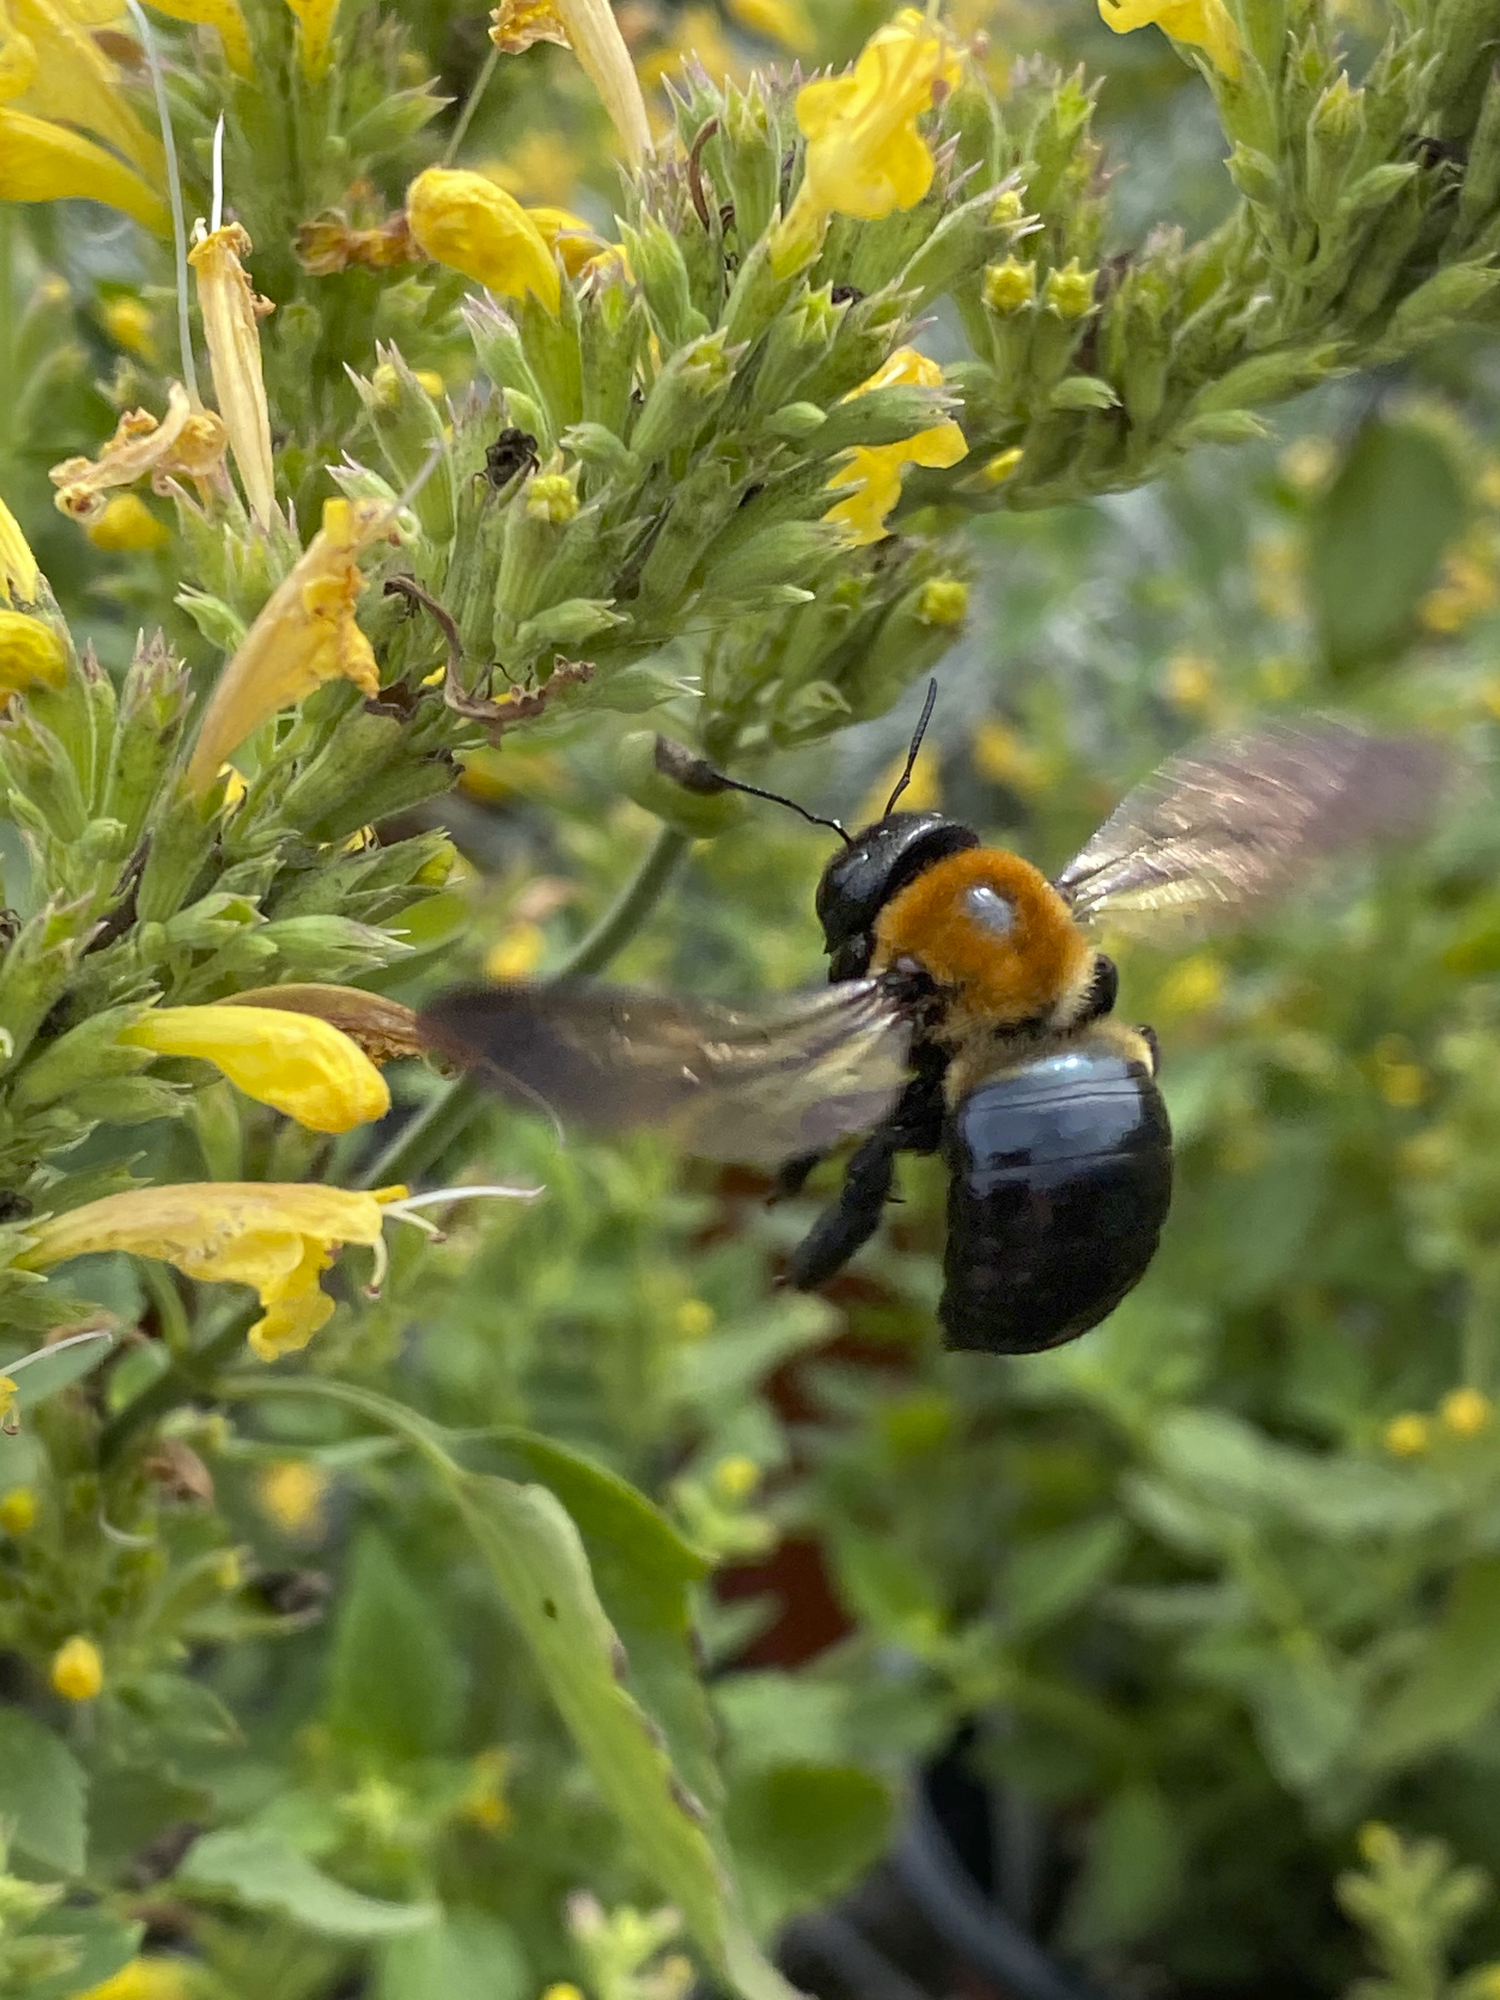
[304, 635]
[590, 30]
[144, 1979]
[876, 469]
[185, 442]
[31, 653]
[315, 19]
[126, 526]
[466, 222]
[1466, 1412]
[1408, 1436]
[382, 1027]
[516, 952]
[274, 1236]
[784, 21]
[290, 1492]
[231, 329]
[40, 161]
[864, 154]
[296, 1063]
[225, 16]
[1206, 24]
[77, 1672]
[18, 1510]
[19, 575]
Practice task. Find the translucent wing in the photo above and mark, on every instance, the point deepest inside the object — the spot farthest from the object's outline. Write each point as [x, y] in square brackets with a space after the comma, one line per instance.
[728, 1083]
[1236, 821]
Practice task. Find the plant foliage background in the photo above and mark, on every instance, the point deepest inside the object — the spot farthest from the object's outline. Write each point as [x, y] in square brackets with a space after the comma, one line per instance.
[577, 1612]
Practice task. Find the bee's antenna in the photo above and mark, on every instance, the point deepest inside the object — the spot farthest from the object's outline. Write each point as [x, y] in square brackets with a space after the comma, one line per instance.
[916, 743]
[696, 774]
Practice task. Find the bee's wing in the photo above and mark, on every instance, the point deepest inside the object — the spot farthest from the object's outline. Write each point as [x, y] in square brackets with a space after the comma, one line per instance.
[728, 1083]
[1237, 820]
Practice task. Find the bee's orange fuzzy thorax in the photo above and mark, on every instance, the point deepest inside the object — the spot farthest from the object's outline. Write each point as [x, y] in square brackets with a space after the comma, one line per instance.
[998, 976]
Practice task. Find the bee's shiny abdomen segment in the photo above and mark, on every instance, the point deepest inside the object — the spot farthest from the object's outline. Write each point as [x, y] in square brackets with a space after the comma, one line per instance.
[1061, 1178]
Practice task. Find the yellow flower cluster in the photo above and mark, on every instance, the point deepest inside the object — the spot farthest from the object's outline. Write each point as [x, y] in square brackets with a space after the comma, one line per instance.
[1463, 1413]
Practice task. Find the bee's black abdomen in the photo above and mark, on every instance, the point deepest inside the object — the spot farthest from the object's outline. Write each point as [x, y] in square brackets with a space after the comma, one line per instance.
[1061, 1177]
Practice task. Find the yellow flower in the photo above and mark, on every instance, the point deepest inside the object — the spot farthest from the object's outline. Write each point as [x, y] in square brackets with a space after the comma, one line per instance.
[1005, 759]
[315, 19]
[1190, 681]
[875, 470]
[782, 21]
[464, 221]
[305, 634]
[590, 30]
[225, 16]
[1193, 986]
[77, 1672]
[484, 1803]
[998, 469]
[1206, 24]
[40, 161]
[184, 442]
[130, 323]
[30, 653]
[562, 1989]
[144, 1979]
[19, 574]
[296, 1063]
[1070, 291]
[1466, 1412]
[735, 1478]
[383, 1028]
[569, 236]
[274, 1236]
[18, 1510]
[290, 1492]
[695, 1319]
[1408, 1436]
[231, 315]
[516, 952]
[864, 154]
[127, 525]
[71, 82]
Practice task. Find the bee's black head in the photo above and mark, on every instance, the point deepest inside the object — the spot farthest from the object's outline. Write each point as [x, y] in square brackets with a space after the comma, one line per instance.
[860, 880]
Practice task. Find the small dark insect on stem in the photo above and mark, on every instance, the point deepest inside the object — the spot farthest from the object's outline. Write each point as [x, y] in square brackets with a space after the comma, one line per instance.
[695, 171]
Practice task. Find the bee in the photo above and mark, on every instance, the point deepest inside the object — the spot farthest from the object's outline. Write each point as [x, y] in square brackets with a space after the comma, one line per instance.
[971, 1015]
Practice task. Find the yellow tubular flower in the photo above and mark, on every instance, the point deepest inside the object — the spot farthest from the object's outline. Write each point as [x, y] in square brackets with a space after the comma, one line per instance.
[865, 156]
[231, 316]
[185, 441]
[75, 83]
[568, 235]
[274, 1236]
[466, 222]
[44, 162]
[875, 470]
[383, 1028]
[305, 634]
[1205, 24]
[225, 16]
[19, 575]
[315, 19]
[77, 1672]
[30, 654]
[126, 526]
[296, 1063]
[590, 30]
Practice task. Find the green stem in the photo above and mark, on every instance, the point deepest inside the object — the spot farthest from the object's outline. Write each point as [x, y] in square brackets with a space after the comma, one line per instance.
[630, 908]
[190, 1374]
[471, 105]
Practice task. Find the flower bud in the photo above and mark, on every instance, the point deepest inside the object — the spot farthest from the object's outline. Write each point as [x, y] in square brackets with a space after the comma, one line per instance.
[18, 1510]
[646, 767]
[1070, 292]
[31, 653]
[467, 222]
[127, 526]
[685, 394]
[77, 1671]
[409, 425]
[1009, 287]
[661, 272]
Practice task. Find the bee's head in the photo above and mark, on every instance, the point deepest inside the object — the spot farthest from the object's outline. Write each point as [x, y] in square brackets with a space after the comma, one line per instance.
[859, 881]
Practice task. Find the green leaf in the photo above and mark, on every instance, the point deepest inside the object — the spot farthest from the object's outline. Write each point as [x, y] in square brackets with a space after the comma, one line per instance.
[50, 1369]
[394, 1689]
[103, 1943]
[467, 1955]
[42, 1794]
[800, 1832]
[535, 1554]
[1378, 537]
[264, 1872]
[1456, 1681]
[1133, 1873]
[1049, 1575]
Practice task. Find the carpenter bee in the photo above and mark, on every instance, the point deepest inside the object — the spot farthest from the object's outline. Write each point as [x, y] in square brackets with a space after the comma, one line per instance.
[969, 1015]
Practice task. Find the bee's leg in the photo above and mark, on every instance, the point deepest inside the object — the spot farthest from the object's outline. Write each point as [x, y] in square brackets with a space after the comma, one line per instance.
[854, 1217]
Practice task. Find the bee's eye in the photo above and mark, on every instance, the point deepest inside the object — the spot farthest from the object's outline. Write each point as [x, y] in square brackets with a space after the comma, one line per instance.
[990, 910]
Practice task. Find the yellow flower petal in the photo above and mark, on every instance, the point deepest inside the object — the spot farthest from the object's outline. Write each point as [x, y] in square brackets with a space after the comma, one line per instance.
[127, 525]
[876, 469]
[31, 653]
[19, 575]
[315, 19]
[225, 16]
[1205, 24]
[184, 441]
[296, 1063]
[864, 155]
[274, 1236]
[76, 84]
[464, 221]
[231, 328]
[40, 161]
[306, 634]
[590, 30]
[569, 236]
